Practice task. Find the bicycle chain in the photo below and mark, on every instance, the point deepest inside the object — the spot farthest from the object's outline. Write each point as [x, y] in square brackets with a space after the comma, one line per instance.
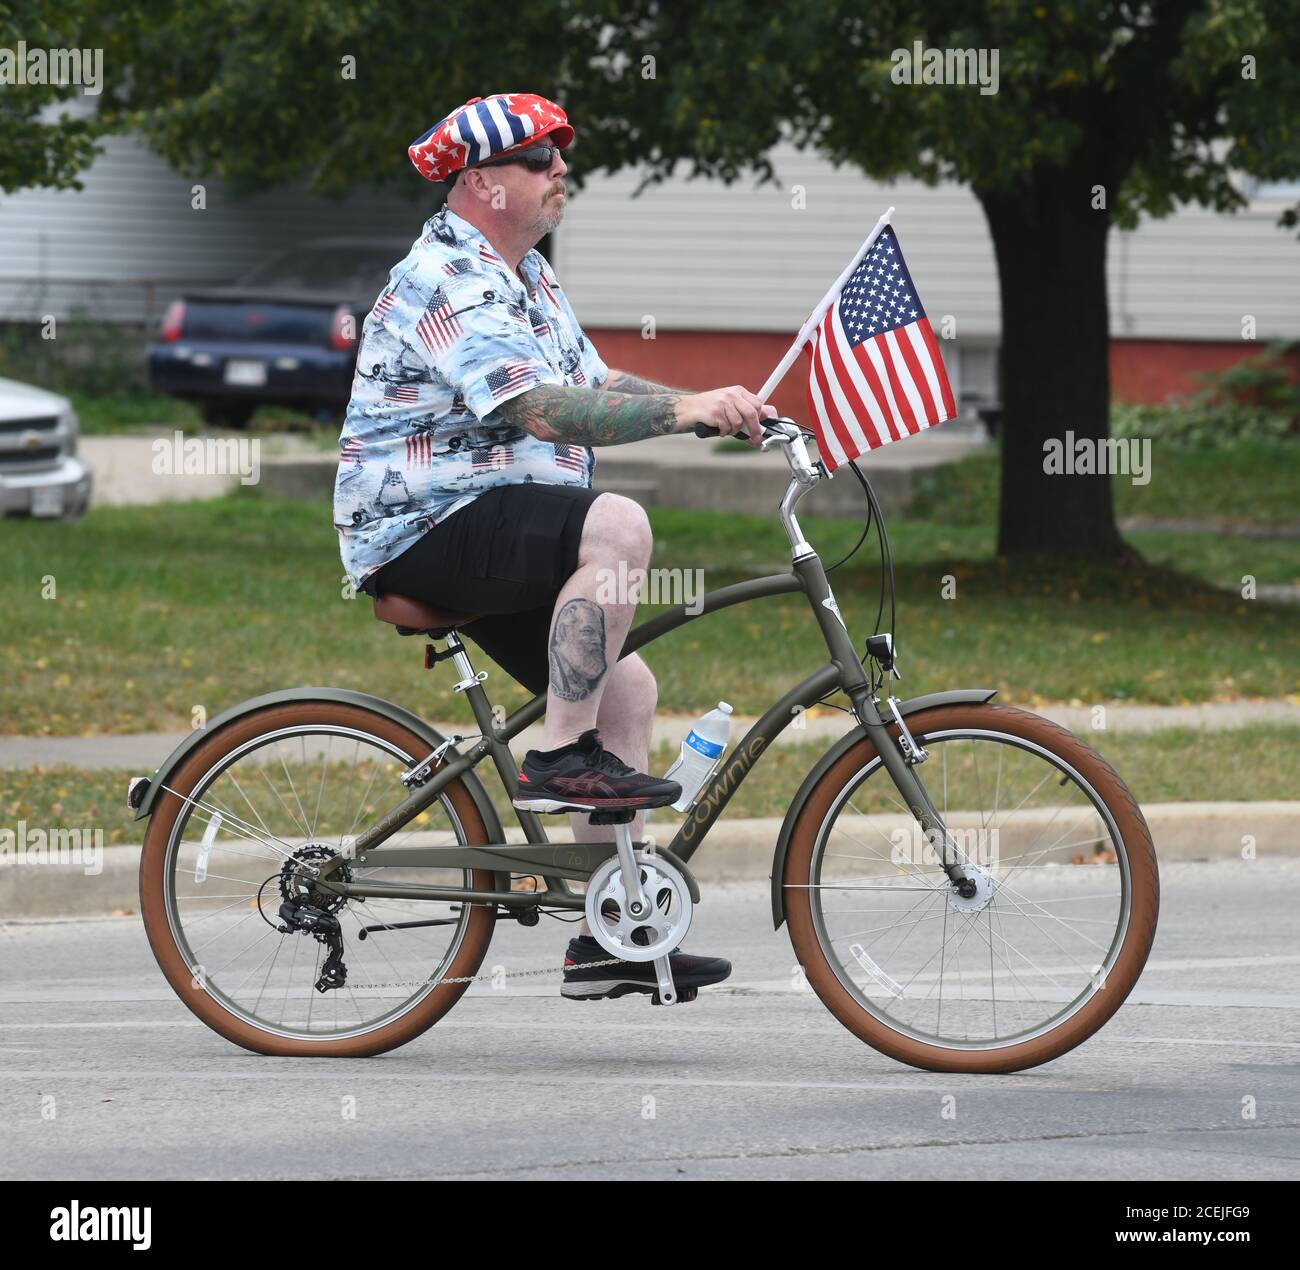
[516, 974]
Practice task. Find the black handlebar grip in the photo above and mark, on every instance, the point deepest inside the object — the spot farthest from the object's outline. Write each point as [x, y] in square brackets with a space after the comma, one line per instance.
[703, 430]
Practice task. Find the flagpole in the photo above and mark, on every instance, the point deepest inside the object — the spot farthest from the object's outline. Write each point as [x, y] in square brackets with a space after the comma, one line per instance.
[819, 312]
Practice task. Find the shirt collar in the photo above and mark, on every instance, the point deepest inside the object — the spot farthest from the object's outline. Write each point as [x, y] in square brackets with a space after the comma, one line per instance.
[530, 266]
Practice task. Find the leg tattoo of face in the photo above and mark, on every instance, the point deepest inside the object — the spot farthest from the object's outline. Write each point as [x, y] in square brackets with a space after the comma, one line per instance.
[578, 650]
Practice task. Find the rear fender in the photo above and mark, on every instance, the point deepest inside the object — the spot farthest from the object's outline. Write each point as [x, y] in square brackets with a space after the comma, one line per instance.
[144, 801]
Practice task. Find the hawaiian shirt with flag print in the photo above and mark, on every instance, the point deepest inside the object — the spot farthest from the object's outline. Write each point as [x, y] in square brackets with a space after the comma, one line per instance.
[453, 335]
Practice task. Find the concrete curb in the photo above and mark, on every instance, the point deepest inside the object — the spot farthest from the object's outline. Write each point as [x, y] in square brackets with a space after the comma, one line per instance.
[735, 850]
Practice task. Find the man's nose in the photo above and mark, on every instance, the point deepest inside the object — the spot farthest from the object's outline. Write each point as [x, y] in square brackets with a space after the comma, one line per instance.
[564, 167]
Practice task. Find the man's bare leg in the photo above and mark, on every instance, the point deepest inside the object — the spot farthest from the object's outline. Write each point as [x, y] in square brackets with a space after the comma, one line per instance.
[626, 719]
[591, 618]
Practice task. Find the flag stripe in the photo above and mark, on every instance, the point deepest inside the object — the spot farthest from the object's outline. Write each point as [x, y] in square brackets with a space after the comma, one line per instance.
[927, 333]
[913, 409]
[883, 415]
[834, 408]
[849, 430]
[831, 451]
[857, 411]
[873, 425]
[893, 416]
[918, 361]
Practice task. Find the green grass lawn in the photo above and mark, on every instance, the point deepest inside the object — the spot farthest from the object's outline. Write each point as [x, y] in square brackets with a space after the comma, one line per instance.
[1170, 766]
[159, 610]
[1245, 483]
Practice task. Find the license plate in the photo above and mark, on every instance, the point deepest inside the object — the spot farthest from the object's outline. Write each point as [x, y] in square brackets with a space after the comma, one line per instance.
[248, 374]
[47, 501]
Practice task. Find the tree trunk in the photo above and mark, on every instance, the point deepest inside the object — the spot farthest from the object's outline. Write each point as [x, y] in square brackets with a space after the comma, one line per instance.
[1051, 253]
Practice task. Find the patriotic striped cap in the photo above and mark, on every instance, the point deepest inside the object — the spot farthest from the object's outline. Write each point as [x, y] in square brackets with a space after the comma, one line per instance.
[485, 127]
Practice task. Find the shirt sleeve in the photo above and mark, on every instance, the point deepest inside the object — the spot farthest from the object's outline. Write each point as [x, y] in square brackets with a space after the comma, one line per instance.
[466, 328]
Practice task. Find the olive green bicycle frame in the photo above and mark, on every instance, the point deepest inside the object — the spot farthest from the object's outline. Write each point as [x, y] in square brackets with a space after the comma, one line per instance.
[555, 862]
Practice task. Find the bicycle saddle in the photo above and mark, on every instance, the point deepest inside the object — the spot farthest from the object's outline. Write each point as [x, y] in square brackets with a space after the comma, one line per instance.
[413, 617]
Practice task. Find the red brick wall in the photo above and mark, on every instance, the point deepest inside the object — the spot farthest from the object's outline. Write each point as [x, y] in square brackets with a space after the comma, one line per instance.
[1149, 371]
[1146, 371]
[708, 359]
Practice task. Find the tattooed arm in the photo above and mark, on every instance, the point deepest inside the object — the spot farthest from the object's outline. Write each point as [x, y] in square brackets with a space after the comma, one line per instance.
[592, 416]
[625, 381]
[595, 416]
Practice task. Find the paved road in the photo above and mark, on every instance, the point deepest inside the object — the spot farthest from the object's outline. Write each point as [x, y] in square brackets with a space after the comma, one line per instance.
[755, 1079]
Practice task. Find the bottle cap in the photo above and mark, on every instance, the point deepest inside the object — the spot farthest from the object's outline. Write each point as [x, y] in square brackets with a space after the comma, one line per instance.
[724, 707]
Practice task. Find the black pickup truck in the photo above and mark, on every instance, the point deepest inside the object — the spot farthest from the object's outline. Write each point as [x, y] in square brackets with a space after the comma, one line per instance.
[284, 334]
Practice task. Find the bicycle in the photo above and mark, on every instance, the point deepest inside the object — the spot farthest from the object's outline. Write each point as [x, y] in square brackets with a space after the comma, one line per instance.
[954, 931]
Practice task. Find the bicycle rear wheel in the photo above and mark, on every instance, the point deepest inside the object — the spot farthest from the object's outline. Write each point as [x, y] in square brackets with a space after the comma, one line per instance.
[1034, 962]
[243, 822]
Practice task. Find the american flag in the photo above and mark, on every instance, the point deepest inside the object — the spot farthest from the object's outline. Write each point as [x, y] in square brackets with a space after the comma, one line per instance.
[572, 457]
[494, 457]
[438, 327]
[401, 392]
[350, 451]
[541, 328]
[550, 295]
[419, 449]
[506, 379]
[578, 377]
[875, 373]
[460, 265]
[384, 305]
[486, 253]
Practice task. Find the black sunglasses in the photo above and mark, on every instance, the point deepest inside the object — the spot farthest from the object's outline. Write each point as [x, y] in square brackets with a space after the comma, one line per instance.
[538, 158]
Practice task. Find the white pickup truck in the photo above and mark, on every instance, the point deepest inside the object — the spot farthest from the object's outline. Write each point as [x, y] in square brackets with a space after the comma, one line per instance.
[40, 473]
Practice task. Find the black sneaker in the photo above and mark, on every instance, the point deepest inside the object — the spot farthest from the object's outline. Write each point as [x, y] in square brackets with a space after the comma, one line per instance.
[585, 776]
[690, 974]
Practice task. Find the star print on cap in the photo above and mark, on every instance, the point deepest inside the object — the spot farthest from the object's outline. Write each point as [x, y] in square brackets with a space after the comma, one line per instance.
[485, 127]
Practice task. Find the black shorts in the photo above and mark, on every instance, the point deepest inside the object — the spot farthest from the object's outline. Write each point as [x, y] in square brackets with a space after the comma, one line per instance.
[508, 555]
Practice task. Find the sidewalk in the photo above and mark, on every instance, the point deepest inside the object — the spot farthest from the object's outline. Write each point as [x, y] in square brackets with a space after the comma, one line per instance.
[734, 850]
[143, 752]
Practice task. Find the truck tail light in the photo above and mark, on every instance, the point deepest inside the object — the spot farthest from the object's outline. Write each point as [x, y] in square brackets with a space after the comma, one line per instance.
[343, 328]
[173, 320]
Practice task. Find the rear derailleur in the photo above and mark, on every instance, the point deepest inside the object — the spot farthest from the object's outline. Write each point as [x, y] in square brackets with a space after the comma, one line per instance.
[309, 910]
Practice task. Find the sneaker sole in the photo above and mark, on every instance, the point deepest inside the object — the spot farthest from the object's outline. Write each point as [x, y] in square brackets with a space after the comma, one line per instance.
[604, 991]
[601, 804]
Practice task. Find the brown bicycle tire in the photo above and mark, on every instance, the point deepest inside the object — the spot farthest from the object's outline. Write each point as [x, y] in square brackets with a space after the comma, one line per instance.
[1136, 839]
[467, 960]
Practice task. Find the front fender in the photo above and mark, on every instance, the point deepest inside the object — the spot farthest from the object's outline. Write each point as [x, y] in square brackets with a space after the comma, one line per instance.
[957, 697]
[343, 695]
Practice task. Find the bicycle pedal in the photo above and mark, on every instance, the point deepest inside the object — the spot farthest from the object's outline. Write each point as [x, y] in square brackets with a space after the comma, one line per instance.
[683, 996]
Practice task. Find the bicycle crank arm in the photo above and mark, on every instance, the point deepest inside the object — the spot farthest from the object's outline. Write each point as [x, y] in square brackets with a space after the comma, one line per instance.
[664, 971]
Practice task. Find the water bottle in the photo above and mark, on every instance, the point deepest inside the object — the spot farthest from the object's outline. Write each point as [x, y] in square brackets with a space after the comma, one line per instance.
[700, 753]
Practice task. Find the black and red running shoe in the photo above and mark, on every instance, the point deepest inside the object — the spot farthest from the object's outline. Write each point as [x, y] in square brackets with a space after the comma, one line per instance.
[585, 776]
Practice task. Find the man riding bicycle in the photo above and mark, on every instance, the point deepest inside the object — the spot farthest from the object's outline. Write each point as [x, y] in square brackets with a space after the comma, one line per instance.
[465, 474]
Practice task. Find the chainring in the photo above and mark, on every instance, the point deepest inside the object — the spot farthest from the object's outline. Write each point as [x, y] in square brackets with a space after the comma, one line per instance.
[639, 938]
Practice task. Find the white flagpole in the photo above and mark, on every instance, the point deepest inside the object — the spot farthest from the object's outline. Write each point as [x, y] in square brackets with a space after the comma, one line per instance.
[820, 311]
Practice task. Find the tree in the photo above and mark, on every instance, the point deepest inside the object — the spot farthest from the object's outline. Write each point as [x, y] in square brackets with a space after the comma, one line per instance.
[1103, 110]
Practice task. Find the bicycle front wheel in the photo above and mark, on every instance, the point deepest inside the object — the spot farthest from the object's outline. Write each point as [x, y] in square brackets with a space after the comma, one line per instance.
[1037, 958]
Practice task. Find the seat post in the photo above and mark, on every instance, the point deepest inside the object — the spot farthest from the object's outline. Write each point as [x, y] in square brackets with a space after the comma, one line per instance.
[471, 684]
